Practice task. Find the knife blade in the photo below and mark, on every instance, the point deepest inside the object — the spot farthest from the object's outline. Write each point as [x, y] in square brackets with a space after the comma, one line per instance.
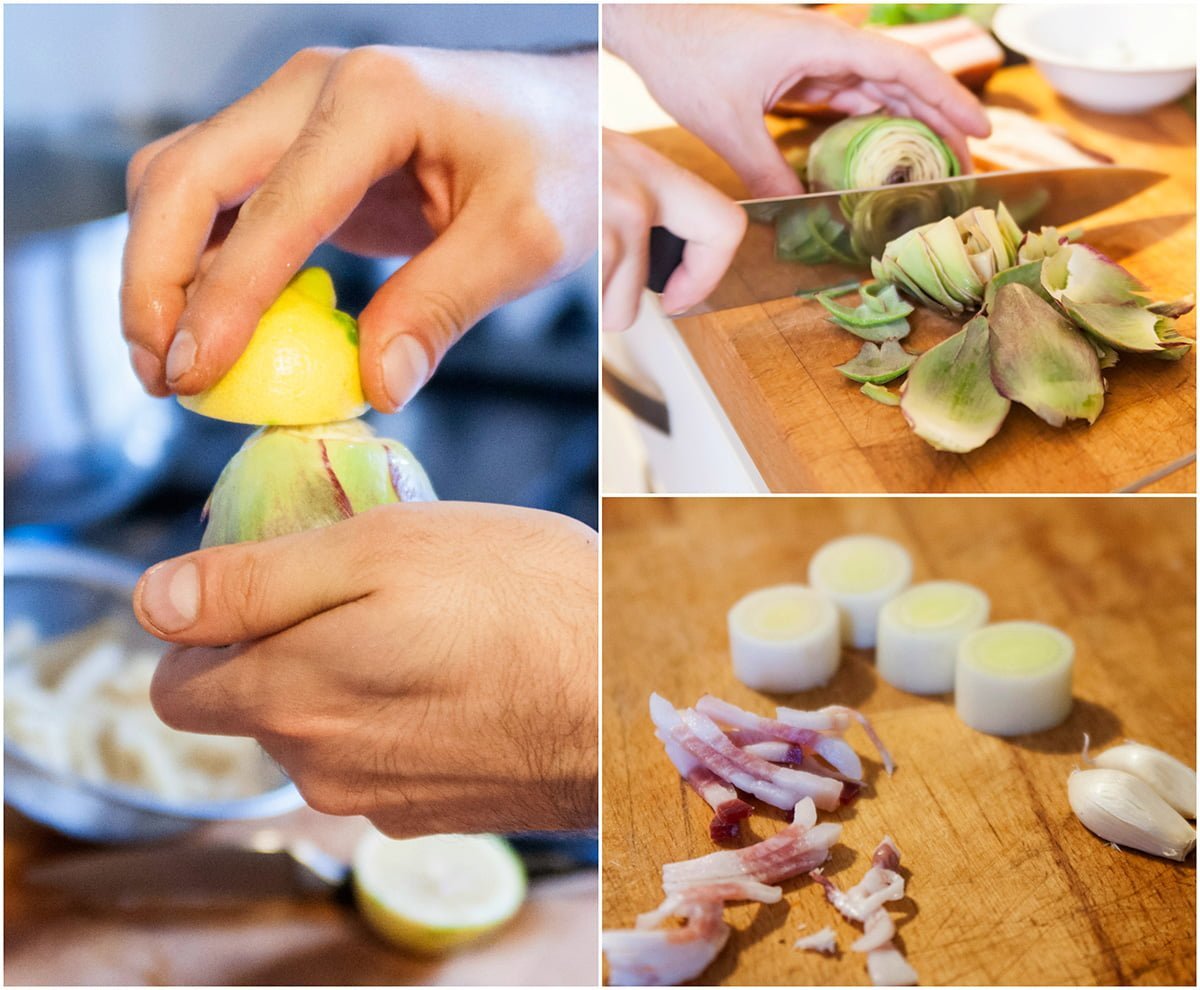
[805, 243]
[268, 865]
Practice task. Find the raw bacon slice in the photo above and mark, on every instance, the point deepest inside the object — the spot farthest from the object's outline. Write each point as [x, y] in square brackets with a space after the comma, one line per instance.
[729, 809]
[838, 719]
[703, 741]
[800, 847]
[776, 785]
[865, 902]
[645, 956]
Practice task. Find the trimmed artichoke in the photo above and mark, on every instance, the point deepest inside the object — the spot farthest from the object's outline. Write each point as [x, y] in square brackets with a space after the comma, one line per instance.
[286, 479]
[947, 265]
[876, 150]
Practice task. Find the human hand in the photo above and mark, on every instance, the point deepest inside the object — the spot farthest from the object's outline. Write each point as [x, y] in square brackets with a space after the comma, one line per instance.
[482, 164]
[642, 189]
[718, 69]
[431, 666]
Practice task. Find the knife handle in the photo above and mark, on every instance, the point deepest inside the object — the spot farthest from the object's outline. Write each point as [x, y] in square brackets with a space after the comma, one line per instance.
[666, 254]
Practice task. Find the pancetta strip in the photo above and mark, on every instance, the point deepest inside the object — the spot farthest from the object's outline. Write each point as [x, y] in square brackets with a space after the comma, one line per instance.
[646, 956]
[865, 902]
[800, 847]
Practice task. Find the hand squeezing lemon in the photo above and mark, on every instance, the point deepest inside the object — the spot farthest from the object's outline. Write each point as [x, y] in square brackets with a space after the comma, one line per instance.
[300, 367]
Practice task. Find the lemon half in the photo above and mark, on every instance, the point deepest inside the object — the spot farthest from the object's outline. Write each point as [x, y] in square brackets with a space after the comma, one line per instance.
[437, 892]
[300, 367]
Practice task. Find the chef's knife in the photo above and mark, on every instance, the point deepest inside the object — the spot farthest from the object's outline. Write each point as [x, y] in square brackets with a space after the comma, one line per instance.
[214, 876]
[805, 243]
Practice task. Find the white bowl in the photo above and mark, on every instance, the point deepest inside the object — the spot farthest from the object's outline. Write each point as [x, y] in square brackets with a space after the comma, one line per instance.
[1115, 58]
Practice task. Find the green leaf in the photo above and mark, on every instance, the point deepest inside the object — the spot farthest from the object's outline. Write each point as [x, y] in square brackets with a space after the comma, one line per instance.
[877, 363]
[880, 394]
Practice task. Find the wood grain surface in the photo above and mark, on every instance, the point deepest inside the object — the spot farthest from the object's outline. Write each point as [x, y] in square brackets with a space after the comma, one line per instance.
[1006, 886]
[49, 941]
[772, 365]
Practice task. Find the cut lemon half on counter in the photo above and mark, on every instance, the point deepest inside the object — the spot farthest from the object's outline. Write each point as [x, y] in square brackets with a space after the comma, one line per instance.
[435, 893]
[300, 367]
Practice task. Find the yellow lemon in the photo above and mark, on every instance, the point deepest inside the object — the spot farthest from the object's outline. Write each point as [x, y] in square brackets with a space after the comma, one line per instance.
[435, 893]
[300, 367]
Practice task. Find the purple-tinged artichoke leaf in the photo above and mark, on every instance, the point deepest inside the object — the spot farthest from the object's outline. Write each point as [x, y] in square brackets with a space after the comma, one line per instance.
[1127, 328]
[877, 363]
[1028, 275]
[1175, 308]
[1041, 360]
[949, 399]
[1084, 275]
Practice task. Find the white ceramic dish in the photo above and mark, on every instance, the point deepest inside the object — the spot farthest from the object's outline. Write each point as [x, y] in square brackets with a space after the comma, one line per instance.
[1115, 58]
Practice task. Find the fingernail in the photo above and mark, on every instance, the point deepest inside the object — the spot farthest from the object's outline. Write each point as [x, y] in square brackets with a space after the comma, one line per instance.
[181, 356]
[405, 366]
[171, 595]
[146, 366]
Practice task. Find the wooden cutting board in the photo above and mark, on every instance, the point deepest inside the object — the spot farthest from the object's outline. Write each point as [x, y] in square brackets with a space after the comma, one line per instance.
[1006, 886]
[278, 941]
[807, 428]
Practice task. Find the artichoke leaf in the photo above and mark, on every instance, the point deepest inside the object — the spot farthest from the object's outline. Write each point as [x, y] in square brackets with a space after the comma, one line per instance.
[1086, 276]
[1041, 360]
[949, 399]
[1028, 275]
[1174, 308]
[879, 307]
[880, 393]
[878, 363]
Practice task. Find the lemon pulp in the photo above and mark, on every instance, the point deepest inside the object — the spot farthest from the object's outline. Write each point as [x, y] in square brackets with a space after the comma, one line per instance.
[299, 368]
[436, 892]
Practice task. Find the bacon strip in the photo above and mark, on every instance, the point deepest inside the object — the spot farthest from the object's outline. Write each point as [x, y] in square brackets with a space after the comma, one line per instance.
[776, 785]
[798, 848]
[645, 956]
[865, 903]
[838, 719]
[729, 809]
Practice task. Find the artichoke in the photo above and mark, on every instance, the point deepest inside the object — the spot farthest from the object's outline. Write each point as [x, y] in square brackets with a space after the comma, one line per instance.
[876, 150]
[948, 264]
[310, 464]
[291, 478]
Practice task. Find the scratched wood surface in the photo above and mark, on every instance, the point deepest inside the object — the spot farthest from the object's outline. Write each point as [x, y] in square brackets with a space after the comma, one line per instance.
[1006, 886]
[772, 365]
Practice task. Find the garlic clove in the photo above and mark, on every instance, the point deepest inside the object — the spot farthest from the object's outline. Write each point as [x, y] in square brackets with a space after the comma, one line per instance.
[1124, 809]
[1173, 780]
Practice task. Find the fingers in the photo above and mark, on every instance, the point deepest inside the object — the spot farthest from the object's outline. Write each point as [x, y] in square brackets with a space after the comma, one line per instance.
[886, 60]
[248, 590]
[499, 247]
[642, 189]
[178, 186]
[753, 154]
[218, 691]
[344, 147]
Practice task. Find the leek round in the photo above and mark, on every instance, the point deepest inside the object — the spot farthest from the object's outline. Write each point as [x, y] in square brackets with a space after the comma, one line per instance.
[784, 638]
[920, 631]
[286, 479]
[1013, 678]
[859, 574]
[877, 150]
